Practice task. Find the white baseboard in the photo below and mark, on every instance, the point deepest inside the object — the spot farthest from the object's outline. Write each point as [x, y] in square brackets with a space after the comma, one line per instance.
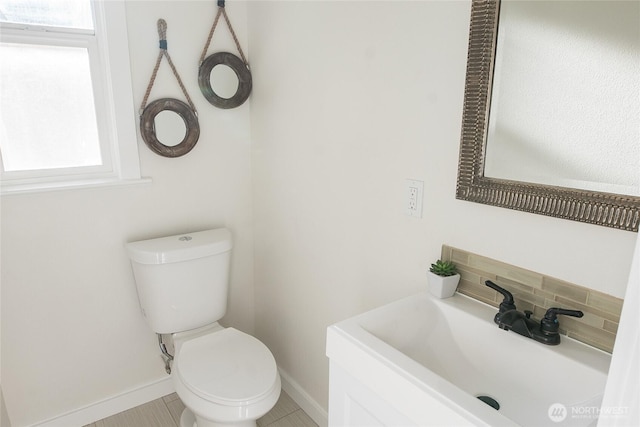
[112, 405]
[155, 390]
[302, 398]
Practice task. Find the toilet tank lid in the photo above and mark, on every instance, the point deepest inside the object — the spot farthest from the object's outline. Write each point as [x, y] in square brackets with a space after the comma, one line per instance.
[181, 247]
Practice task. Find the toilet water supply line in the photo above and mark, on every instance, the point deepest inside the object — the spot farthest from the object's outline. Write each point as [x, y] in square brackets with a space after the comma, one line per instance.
[168, 358]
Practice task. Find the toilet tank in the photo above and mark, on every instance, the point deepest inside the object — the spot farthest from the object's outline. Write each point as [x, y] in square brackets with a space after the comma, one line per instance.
[182, 280]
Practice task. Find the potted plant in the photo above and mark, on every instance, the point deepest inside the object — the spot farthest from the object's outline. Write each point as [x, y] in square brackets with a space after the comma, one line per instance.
[443, 279]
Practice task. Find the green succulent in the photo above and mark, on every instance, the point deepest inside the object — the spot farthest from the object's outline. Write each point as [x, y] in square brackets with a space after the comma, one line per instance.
[443, 268]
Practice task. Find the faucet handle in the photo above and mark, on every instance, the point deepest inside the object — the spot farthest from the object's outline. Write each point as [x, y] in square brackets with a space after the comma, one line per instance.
[554, 311]
[549, 323]
[507, 303]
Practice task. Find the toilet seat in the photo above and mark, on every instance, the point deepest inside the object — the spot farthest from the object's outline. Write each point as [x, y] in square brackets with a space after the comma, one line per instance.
[227, 367]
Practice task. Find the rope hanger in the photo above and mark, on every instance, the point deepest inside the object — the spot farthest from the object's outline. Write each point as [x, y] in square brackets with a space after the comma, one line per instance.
[222, 11]
[162, 34]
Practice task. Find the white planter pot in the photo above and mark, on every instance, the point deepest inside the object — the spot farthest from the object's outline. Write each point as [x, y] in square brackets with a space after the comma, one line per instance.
[442, 287]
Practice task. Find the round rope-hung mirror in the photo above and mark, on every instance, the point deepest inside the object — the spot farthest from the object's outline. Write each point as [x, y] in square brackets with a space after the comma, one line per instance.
[148, 127]
[242, 72]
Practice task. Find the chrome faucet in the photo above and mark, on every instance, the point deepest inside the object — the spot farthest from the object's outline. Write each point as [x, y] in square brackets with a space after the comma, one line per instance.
[545, 331]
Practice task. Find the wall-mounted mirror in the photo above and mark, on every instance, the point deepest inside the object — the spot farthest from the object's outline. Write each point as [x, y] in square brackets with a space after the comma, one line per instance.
[551, 119]
[169, 127]
[225, 80]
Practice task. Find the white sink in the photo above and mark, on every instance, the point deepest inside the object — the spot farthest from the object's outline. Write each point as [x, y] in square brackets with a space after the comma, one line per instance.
[452, 350]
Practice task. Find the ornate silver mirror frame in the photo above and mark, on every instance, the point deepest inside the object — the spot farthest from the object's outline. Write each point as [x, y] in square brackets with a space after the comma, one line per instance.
[606, 209]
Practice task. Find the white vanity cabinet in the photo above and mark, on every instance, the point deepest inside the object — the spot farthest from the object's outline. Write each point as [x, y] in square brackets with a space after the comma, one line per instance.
[368, 390]
[425, 361]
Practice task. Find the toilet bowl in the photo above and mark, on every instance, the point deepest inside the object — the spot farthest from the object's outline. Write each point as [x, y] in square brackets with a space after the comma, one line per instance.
[224, 378]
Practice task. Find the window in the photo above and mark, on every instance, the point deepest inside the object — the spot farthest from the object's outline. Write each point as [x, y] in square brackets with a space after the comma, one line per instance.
[66, 108]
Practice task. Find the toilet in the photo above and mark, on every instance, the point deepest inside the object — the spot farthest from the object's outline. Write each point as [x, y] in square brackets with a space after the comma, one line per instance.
[223, 376]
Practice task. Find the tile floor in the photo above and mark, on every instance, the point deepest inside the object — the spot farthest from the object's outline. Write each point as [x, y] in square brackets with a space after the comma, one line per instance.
[166, 411]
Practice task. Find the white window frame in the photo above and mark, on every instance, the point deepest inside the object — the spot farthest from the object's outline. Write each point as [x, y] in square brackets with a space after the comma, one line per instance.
[113, 93]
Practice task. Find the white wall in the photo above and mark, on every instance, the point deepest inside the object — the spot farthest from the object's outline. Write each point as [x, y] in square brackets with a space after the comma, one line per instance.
[72, 333]
[350, 99]
[4, 416]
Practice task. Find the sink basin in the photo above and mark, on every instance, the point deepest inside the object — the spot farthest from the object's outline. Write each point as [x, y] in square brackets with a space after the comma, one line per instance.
[451, 350]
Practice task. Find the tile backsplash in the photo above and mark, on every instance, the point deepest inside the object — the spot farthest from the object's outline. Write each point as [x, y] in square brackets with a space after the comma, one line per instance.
[538, 292]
